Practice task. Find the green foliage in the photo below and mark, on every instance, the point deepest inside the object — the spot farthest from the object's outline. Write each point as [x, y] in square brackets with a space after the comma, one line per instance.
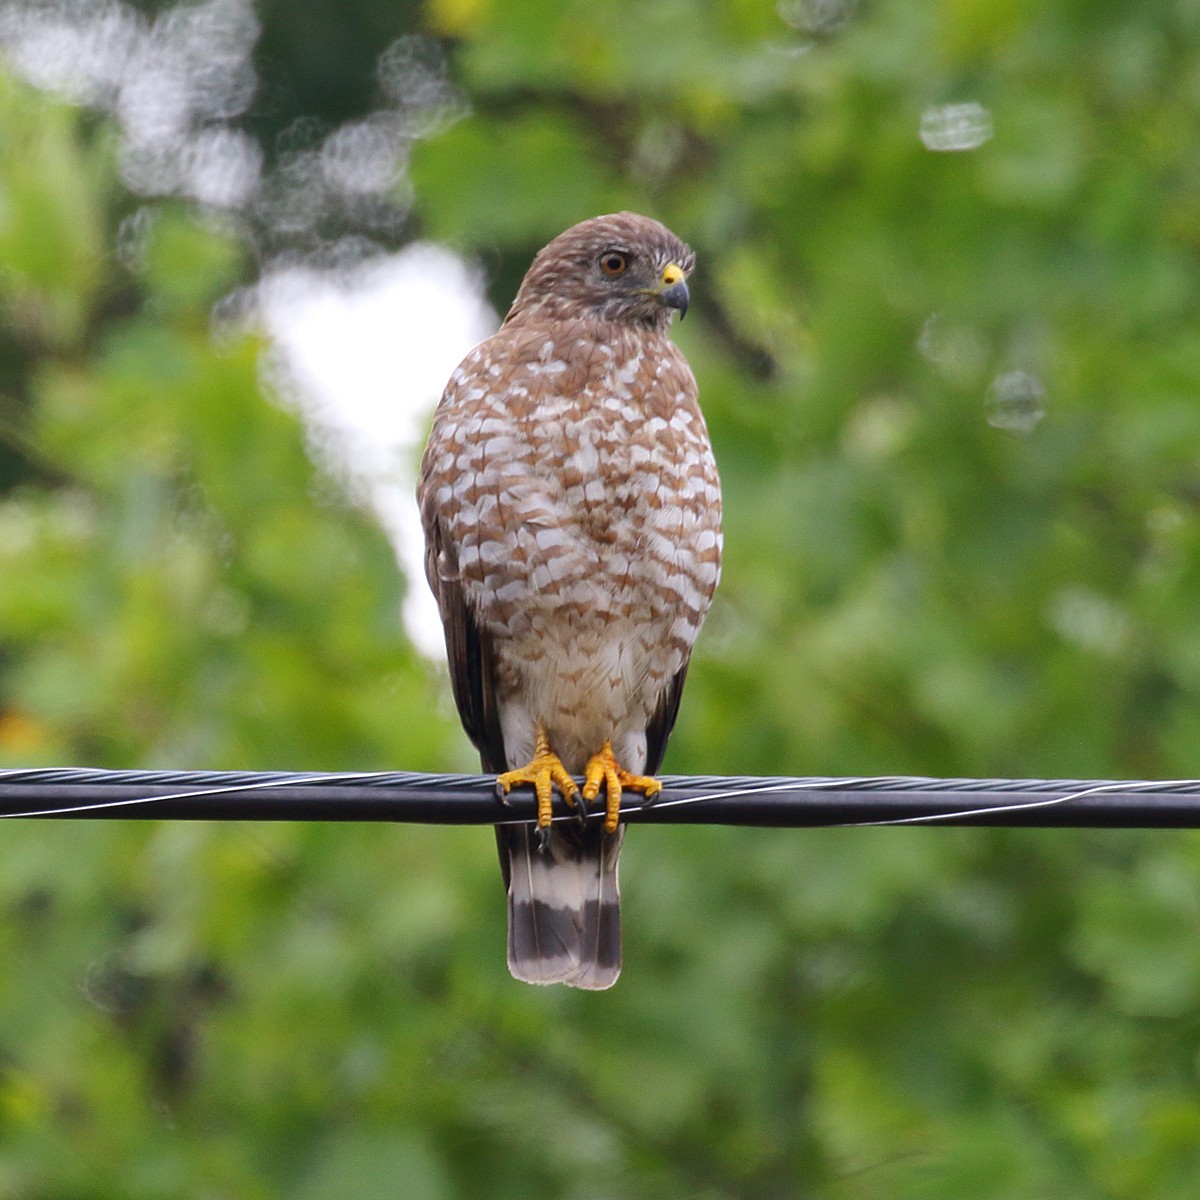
[924, 574]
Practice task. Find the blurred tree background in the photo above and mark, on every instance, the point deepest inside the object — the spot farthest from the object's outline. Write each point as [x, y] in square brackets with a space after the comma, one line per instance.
[945, 325]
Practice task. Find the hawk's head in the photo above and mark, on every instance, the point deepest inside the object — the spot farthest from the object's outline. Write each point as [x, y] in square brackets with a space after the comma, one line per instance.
[623, 267]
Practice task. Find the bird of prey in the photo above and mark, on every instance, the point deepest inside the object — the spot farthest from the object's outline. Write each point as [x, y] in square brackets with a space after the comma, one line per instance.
[572, 517]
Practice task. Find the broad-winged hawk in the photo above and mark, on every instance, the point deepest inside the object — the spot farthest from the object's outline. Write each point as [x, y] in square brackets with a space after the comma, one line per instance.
[572, 516]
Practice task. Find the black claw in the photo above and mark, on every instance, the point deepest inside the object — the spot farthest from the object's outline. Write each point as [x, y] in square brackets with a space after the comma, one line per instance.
[544, 839]
[502, 795]
[580, 804]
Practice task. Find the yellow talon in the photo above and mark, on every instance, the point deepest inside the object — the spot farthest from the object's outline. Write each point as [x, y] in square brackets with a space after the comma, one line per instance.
[543, 772]
[604, 768]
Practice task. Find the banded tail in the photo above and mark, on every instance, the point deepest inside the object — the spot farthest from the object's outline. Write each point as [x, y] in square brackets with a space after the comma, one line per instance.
[564, 906]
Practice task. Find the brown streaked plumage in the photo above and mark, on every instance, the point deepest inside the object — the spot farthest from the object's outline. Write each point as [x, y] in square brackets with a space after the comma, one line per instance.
[572, 514]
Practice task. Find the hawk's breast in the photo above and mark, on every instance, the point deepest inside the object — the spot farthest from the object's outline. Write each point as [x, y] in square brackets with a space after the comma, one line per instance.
[575, 478]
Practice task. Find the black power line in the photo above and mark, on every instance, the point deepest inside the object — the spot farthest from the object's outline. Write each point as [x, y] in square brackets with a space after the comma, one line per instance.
[62, 793]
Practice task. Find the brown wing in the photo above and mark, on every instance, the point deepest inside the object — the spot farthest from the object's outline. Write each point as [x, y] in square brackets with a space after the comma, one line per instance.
[663, 719]
[469, 649]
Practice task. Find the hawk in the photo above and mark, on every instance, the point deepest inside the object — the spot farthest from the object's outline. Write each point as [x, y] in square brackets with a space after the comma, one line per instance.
[572, 517]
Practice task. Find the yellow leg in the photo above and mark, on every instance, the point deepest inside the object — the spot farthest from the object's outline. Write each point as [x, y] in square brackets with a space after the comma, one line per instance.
[544, 772]
[603, 768]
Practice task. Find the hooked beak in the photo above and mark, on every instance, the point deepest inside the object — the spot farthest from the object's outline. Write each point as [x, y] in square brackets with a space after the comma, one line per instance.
[673, 291]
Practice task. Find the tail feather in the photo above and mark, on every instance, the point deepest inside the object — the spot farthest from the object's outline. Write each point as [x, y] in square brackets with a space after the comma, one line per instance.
[564, 906]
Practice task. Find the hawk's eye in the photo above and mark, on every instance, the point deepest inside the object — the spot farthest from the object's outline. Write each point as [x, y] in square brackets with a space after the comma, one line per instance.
[613, 263]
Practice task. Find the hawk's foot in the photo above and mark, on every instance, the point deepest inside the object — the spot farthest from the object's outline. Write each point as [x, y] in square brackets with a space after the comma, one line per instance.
[544, 772]
[603, 768]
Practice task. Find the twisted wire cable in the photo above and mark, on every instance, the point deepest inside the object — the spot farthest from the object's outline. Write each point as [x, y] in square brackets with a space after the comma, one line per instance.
[779, 802]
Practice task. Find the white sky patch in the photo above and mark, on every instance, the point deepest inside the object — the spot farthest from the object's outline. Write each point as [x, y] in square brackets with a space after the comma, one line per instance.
[365, 352]
[954, 127]
[172, 82]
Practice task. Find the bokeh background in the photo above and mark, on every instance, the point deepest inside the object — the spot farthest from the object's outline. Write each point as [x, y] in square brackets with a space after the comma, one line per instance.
[945, 324]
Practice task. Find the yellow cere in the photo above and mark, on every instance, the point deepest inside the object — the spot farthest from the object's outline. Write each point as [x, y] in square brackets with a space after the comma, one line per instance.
[672, 275]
